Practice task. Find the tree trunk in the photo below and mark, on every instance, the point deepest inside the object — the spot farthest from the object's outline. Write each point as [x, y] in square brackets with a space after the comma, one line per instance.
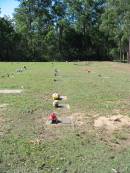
[84, 35]
[120, 52]
[127, 56]
[129, 52]
[123, 57]
[60, 37]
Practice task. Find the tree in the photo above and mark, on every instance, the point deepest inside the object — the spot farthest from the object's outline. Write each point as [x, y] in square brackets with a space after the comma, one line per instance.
[8, 40]
[115, 22]
[67, 30]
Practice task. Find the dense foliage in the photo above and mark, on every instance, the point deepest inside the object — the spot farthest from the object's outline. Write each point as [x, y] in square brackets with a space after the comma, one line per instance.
[44, 30]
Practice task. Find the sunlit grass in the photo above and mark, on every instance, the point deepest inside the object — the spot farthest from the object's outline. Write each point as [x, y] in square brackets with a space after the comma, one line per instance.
[62, 149]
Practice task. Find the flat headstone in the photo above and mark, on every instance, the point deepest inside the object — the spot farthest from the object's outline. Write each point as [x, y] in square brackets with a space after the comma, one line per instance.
[66, 120]
[10, 91]
[63, 106]
[3, 105]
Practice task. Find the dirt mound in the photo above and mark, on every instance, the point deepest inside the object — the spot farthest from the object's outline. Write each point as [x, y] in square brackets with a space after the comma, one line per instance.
[112, 123]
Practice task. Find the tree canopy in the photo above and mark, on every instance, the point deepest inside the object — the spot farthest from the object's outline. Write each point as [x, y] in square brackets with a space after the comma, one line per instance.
[47, 30]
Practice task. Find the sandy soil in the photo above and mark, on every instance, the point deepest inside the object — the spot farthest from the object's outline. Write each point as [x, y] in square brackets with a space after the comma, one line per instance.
[112, 123]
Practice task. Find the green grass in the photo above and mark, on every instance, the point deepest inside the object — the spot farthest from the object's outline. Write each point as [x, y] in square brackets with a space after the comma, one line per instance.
[63, 149]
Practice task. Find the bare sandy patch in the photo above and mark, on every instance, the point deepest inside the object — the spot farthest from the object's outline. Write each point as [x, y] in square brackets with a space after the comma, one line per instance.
[121, 67]
[11, 91]
[88, 70]
[78, 119]
[112, 123]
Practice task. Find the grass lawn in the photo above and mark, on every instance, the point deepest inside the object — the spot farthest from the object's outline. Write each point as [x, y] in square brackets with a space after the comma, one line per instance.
[94, 89]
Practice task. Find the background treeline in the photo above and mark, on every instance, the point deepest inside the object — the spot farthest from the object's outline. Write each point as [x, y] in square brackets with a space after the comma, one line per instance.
[46, 30]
